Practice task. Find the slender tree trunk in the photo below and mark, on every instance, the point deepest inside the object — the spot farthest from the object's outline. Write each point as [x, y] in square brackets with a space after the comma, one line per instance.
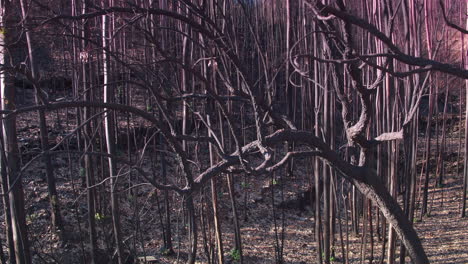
[6, 203]
[167, 208]
[110, 137]
[317, 214]
[429, 35]
[192, 227]
[326, 180]
[15, 185]
[440, 162]
[465, 172]
[214, 201]
[237, 234]
[51, 187]
[88, 169]
[393, 191]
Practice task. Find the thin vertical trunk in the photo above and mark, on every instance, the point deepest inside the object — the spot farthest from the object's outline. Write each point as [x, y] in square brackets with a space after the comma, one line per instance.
[167, 209]
[371, 232]
[407, 131]
[51, 186]
[88, 144]
[214, 201]
[192, 227]
[429, 117]
[317, 214]
[167, 206]
[440, 163]
[16, 194]
[465, 172]
[364, 231]
[393, 191]
[326, 180]
[6, 203]
[109, 127]
[237, 234]
[3, 259]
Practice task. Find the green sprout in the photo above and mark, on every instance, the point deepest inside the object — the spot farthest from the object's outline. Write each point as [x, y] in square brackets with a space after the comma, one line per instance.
[99, 216]
[31, 217]
[82, 172]
[235, 254]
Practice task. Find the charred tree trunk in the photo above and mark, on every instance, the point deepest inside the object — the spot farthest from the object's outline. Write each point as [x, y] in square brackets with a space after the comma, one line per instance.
[40, 97]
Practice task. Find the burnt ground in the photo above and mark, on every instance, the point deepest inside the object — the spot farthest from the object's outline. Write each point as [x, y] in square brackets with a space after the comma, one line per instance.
[443, 232]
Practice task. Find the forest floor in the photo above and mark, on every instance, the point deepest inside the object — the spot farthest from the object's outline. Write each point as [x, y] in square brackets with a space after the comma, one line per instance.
[443, 233]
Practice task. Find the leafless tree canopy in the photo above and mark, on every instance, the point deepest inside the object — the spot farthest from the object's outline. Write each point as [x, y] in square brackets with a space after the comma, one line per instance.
[187, 99]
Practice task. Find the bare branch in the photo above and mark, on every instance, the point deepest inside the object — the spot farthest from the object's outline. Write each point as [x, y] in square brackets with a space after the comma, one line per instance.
[398, 54]
[450, 24]
[389, 136]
